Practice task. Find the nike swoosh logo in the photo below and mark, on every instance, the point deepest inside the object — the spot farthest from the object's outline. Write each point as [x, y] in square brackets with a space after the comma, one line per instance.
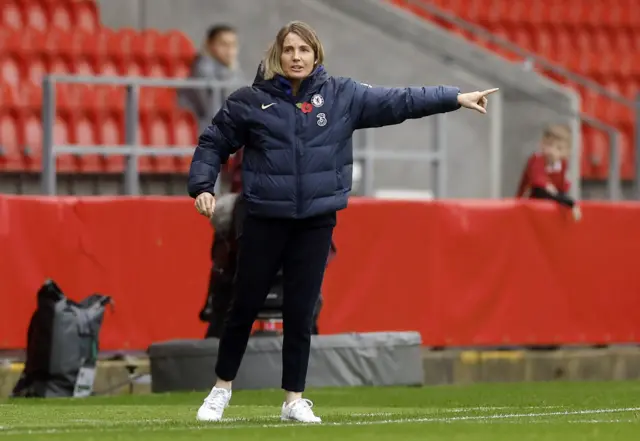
[267, 106]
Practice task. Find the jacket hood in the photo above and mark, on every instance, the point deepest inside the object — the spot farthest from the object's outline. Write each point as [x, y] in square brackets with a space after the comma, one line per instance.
[259, 75]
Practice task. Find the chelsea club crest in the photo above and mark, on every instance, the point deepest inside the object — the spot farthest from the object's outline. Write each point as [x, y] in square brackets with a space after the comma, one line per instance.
[317, 100]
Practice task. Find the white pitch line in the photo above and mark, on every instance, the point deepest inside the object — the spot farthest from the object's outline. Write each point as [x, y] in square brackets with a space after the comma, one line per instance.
[217, 426]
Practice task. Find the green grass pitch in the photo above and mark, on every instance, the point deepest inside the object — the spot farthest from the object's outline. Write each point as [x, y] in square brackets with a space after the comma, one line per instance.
[487, 412]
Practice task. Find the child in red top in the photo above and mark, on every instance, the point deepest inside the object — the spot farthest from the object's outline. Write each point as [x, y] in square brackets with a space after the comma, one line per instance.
[545, 176]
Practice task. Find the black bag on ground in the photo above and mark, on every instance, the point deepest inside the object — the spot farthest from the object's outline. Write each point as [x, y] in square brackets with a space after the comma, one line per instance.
[62, 345]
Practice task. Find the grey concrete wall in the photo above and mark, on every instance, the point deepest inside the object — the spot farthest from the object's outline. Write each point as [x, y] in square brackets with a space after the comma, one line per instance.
[374, 43]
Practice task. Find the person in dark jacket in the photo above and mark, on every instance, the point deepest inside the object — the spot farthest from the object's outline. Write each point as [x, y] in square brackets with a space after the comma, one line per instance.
[296, 124]
[218, 60]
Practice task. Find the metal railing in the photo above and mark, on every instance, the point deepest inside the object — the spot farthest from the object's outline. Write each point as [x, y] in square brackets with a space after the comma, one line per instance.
[614, 183]
[364, 149]
[131, 150]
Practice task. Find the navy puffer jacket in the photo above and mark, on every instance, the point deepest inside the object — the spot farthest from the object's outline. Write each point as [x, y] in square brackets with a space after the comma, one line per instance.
[298, 154]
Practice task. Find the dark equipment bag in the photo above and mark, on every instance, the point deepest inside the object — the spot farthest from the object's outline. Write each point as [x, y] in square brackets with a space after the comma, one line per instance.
[62, 341]
[224, 252]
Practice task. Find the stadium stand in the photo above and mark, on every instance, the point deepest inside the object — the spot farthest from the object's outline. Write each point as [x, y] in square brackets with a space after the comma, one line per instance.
[66, 36]
[596, 39]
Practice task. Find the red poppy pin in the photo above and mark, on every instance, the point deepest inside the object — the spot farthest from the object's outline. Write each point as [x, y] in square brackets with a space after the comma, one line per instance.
[306, 107]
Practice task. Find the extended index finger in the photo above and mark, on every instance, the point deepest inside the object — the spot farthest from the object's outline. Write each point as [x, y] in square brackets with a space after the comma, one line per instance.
[489, 91]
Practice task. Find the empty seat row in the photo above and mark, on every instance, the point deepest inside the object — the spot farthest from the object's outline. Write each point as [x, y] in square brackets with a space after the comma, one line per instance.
[86, 98]
[122, 45]
[19, 15]
[592, 37]
[15, 71]
[564, 41]
[577, 13]
[21, 142]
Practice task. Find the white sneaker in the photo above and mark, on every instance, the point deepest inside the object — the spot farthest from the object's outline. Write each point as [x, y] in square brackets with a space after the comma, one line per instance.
[299, 410]
[214, 405]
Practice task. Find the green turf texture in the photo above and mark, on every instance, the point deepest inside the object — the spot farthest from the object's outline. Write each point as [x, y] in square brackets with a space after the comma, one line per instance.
[491, 412]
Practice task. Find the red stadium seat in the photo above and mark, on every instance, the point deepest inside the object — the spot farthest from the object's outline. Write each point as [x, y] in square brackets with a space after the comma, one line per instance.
[632, 89]
[8, 97]
[111, 133]
[132, 69]
[156, 70]
[11, 16]
[181, 69]
[85, 14]
[157, 133]
[65, 163]
[165, 100]
[60, 66]
[77, 98]
[30, 96]
[76, 46]
[5, 39]
[10, 71]
[60, 16]
[599, 153]
[107, 68]
[544, 43]
[35, 16]
[32, 138]
[83, 66]
[185, 134]
[121, 44]
[84, 133]
[110, 98]
[523, 38]
[57, 43]
[96, 46]
[617, 113]
[11, 158]
[177, 45]
[148, 44]
[622, 40]
[36, 70]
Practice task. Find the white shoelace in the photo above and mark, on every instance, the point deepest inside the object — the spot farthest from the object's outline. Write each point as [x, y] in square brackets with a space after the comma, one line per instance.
[216, 400]
[303, 405]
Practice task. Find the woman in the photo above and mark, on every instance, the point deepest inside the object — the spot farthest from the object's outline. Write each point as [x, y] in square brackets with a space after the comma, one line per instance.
[295, 123]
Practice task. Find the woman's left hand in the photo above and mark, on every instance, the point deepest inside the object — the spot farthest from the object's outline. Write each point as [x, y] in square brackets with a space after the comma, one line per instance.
[476, 100]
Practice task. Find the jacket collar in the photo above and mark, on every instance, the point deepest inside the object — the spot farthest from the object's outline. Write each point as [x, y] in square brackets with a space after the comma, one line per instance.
[282, 86]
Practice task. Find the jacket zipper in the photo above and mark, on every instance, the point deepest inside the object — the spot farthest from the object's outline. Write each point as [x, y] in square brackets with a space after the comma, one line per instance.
[297, 152]
[298, 149]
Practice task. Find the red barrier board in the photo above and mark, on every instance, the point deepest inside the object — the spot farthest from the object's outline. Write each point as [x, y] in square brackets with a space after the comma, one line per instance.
[462, 273]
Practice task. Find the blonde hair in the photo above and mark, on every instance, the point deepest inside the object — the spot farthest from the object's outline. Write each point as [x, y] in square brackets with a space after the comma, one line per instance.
[561, 132]
[272, 65]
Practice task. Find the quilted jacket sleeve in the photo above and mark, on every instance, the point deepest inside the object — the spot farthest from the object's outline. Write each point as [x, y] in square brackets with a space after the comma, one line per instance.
[385, 106]
[223, 137]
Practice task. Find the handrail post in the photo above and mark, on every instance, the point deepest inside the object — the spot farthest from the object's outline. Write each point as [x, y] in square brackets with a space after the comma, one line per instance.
[48, 176]
[439, 165]
[495, 146]
[368, 166]
[131, 172]
[614, 183]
